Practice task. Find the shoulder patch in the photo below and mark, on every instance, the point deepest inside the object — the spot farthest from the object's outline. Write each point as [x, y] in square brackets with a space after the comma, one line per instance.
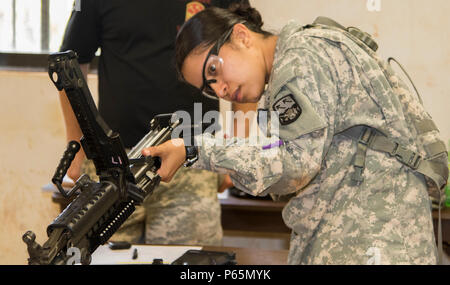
[288, 109]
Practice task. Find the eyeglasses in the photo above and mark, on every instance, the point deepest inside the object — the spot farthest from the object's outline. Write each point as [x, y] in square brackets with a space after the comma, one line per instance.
[213, 67]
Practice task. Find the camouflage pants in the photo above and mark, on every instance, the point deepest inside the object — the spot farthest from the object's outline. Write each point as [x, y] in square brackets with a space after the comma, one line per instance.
[185, 211]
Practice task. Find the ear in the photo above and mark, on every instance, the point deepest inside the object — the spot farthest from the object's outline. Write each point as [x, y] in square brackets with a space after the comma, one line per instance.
[242, 36]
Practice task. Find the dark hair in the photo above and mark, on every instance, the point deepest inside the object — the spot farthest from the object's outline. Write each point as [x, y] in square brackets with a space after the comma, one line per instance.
[207, 26]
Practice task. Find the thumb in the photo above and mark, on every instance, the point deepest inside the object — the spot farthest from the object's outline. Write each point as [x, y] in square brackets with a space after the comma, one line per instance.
[153, 151]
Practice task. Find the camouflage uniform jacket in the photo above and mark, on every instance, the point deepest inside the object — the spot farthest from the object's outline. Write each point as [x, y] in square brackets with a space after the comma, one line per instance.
[323, 83]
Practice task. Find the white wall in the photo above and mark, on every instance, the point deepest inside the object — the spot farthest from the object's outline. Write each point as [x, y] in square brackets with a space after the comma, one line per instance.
[32, 140]
[415, 32]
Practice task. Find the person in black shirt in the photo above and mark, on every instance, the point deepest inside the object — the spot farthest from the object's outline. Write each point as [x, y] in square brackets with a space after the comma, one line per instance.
[137, 81]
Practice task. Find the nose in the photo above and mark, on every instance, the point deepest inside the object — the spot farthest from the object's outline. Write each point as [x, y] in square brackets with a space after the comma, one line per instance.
[220, 88]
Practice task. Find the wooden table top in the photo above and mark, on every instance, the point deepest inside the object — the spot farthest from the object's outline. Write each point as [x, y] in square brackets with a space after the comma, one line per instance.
[254, 256]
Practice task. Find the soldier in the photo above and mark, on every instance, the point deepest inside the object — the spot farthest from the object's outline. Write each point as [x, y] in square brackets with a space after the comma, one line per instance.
[350, 145]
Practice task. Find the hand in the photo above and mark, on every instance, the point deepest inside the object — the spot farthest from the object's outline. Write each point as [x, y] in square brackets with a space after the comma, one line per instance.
[226, 183]
[172, 154]
[74, 171]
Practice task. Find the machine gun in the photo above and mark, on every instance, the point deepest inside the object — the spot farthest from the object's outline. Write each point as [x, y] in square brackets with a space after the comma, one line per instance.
[124, 179]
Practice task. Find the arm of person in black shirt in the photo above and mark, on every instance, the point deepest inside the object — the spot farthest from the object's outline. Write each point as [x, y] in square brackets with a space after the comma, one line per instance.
[73, 131]
[82, 35]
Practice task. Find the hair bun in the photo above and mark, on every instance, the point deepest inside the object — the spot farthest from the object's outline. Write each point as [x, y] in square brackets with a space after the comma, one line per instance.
[248, 13]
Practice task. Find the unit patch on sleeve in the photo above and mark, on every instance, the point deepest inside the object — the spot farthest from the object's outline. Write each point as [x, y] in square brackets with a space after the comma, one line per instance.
[288, 109]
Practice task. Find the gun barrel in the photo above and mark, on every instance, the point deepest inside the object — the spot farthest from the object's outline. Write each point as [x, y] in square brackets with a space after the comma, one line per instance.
[152, 138]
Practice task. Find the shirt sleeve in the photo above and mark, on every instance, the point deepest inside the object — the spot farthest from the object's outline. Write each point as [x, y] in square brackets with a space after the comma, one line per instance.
[82, 33]
[273, 165]
[262, 169]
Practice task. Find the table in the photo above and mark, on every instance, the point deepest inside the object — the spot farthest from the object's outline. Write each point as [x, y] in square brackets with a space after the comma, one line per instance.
[253, 215]
[254, 256]
[168, 253]
[445, 219]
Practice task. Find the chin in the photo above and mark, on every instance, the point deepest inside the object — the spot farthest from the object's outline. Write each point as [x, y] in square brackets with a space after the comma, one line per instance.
[250, 98]
[254, 99]
[247, 100]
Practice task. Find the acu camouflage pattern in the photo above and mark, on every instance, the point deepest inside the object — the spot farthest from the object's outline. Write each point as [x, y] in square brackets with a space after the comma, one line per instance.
[185, 211]
[334, 220]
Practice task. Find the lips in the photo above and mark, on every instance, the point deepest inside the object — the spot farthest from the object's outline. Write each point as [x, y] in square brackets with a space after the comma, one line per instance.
[235, 96]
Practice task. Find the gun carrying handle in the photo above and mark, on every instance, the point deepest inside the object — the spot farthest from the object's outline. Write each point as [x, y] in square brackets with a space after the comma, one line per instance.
[72, 148]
